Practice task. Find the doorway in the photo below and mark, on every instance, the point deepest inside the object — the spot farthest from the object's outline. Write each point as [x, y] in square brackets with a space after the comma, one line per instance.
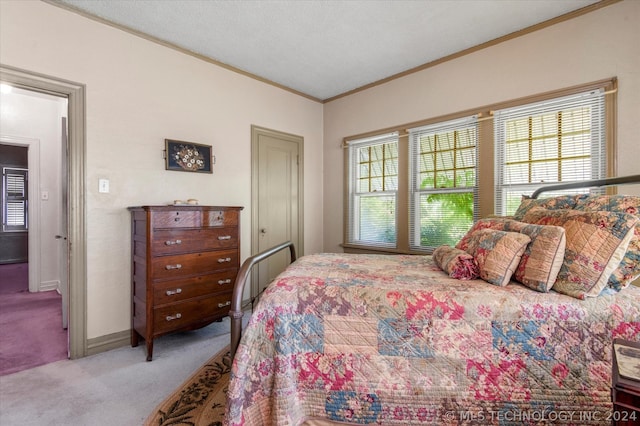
[33, 211]
[276, 200]
[75, 242]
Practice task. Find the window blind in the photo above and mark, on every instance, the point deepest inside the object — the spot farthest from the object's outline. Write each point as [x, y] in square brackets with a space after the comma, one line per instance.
[443, 184]
[15, 213]
[14, 199]
[373, 190]
[560, 140]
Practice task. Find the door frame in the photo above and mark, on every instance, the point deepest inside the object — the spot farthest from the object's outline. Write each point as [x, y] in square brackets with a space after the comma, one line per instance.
[256, 132]
[77, 242]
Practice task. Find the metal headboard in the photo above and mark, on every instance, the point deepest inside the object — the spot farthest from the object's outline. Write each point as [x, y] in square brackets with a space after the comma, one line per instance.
[588, 184]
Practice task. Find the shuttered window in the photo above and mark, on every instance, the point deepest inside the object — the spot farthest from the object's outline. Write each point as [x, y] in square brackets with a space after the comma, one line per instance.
[373, 191]
[561, 140]
[14, 202]
[443, 182]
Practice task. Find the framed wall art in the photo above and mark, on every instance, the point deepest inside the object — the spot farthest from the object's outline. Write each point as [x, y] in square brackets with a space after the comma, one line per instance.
[187, 156]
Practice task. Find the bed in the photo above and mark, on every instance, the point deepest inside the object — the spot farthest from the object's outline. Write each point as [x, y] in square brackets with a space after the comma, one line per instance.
[396, 339]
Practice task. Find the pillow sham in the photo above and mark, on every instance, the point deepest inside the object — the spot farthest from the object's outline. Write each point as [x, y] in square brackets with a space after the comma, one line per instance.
[629, 268]
[596, 243]
[457, 263]
[553, 203]
[497, 253]
[542, 258]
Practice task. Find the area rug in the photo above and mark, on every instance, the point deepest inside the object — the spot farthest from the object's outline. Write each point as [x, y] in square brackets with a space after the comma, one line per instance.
[201, 399]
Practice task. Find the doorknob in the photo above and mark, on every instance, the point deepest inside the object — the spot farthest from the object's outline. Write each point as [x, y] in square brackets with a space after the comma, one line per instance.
[60, 237]
[263, 231]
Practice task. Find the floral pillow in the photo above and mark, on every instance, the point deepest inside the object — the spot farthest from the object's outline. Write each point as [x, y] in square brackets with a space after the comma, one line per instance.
[542, 258]
[497, 253]
[596, 243]
[554, 203]
[629, 268]
[457, 263]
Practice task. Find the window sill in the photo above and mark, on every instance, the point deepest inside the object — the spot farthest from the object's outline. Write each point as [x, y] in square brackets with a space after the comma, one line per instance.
[358, 249]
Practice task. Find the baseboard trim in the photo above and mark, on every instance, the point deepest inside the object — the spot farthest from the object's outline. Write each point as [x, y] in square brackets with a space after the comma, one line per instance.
[49, 285]
[108, 342]
[123, 338]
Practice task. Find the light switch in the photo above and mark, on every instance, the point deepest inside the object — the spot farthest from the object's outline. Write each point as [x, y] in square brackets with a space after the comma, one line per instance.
[103, 185]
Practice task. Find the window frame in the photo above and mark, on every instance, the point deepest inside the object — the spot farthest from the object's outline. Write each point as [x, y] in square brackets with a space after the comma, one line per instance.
[438, 129]
[593, 100]
[485, 159]
[8, 199]
[354, 195]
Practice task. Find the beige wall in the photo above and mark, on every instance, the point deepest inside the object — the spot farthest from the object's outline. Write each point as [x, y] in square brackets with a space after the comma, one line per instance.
[137, 94]
[595, 46]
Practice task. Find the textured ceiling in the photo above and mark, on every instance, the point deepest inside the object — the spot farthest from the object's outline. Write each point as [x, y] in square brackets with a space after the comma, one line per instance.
[325, 48]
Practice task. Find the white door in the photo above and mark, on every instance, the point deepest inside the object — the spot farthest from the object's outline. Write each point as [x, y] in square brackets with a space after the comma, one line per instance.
[276, 200]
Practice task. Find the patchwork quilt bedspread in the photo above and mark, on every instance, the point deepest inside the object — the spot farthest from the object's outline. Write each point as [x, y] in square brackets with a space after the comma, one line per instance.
[391, 339]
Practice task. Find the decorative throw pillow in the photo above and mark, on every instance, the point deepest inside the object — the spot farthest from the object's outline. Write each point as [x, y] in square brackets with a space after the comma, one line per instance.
[596, 243]
[560, 202]
[497, 253]
[629, 268]
[457, 263]
[542, 258]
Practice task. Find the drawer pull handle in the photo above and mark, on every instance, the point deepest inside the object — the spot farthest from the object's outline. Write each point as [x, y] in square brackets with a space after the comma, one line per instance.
[227, 281]
[176, 266]
[177, 219]
[170, 243]
[175, 317]
[225, 259]
[173, 292]
[224, 237]
[222, 305]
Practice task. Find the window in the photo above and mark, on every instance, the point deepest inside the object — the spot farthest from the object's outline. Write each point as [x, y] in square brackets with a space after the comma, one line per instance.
[443, 182]
[417, 186]
[14, 199]
[373, 191]
[561, 140]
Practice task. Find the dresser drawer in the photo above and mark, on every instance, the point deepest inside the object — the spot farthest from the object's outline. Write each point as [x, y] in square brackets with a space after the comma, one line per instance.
[220, 218]
[193, 264]
[176, 219]
[175, 241]
[177, 290]
[176, 316]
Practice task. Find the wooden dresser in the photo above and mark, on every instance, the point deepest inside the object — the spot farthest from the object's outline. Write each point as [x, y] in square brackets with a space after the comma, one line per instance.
[184, 264]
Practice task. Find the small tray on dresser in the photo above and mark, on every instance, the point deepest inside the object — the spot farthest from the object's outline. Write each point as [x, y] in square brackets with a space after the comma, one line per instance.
[625, 389]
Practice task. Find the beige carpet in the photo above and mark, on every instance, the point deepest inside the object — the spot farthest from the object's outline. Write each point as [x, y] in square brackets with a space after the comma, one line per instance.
[200, 400]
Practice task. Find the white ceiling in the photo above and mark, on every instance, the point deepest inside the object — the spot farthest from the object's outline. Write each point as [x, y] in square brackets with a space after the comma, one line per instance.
[325, 48]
